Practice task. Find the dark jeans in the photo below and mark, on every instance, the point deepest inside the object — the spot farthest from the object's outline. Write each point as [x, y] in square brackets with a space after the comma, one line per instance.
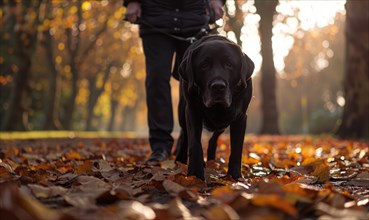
[159, 50]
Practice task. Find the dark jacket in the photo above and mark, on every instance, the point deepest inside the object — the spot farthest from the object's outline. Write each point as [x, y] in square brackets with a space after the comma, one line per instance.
[178, 17]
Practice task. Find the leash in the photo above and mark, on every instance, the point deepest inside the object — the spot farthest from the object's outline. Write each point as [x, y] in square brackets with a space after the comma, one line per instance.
[203, 32]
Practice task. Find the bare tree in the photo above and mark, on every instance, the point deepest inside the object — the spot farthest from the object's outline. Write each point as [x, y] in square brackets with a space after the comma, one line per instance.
[266, 10]
[355, 119]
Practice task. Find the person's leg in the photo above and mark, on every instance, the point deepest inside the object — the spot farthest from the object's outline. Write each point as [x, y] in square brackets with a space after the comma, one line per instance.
[159, 51]
[181, 47]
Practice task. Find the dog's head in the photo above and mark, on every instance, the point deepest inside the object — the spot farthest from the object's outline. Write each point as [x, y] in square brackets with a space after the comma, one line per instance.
[216, 68]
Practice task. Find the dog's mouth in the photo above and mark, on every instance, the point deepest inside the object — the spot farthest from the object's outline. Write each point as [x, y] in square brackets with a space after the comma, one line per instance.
[213, 102]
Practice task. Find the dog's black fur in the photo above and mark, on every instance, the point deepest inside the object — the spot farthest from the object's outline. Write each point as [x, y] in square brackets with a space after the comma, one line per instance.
[216, 89]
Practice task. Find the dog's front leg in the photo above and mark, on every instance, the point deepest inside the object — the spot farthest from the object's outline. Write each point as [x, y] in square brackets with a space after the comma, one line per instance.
[237, 131]
[213, 142]
[194, 130]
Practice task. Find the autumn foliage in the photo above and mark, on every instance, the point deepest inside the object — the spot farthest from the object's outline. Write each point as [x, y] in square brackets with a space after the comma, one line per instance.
[285, 177]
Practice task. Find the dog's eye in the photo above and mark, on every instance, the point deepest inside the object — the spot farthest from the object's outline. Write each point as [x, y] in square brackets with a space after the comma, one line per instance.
[228, 64]
[204, 65]
[239, 84]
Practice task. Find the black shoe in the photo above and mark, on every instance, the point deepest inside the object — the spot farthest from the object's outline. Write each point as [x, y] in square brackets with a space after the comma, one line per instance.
[158, 156]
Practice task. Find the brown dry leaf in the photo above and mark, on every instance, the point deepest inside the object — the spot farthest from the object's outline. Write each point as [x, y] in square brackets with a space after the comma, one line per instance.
[73, 155]
[338, 213]
[168, 165]
[172, 188]
[13, 151]
[47, 192]
[177, 210]
[225, 194]
[224, 212]
[17, 206]
[6, 172]
[134, 210]
[361, 179]
[295, 194]
[80, 201]
[92, 184]
[154, 184]
[189, 181]
[101, 166]
[85, 167]
[182, 165]
[213, 165]
[189, 195]
[314, 167]
[296, 188]
[112, 196]
[274, 201]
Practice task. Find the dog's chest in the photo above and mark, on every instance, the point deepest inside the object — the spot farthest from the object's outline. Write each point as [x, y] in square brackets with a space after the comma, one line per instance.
[218, 119]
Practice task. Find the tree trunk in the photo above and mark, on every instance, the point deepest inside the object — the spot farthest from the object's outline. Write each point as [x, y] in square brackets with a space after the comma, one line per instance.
[14, 115]
[76, 60]
[50, 116]
[73, 44]
[51, 121]
[95, 94]
[24, 48]
[129, 119]
[355, 118]
[266, 10]
[113, 109]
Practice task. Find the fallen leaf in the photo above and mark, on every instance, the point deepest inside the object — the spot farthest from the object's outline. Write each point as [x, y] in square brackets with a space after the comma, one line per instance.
[113, 196]
[274, 201]
[179, 211]
[189, 181]
[73, 155]
[314, 167]
[134, 210]
[91, 184]
[47, 192]
[339, 213]
[223, 211]
[172, 188]
[225, 194]
[85, 167]
[17, 206]
[168, 164]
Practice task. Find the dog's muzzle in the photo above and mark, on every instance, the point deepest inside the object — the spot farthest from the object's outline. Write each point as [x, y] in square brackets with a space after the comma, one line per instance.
[217, 94]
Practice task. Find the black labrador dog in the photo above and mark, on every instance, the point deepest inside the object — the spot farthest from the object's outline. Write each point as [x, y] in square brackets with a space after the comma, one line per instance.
[216, 89]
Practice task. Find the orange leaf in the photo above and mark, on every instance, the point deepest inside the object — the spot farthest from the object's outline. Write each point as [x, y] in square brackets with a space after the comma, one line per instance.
[189, 181]
[86, 167]
[13, 151]
[224, 193]
[319, 168]
[73, 155]
[274, 201]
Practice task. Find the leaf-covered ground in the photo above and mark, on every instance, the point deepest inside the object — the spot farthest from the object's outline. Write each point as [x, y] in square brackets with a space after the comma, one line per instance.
[286, 177]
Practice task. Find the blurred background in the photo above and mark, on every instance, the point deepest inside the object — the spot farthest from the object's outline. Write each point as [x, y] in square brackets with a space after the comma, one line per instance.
[77, 65]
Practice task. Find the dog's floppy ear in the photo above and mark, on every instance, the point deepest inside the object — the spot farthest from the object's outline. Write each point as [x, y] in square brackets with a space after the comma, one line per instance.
[247, 68]
[185, 69]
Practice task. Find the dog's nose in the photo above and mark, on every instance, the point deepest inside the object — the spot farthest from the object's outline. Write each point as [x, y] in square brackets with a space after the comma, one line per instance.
[218, 85]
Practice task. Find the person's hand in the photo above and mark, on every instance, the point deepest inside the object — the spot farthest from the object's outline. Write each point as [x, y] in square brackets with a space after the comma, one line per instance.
[217, 6]
[133, 12]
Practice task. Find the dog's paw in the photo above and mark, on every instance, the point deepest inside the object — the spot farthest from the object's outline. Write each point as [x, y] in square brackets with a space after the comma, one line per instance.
[235, 174]
[197, 173]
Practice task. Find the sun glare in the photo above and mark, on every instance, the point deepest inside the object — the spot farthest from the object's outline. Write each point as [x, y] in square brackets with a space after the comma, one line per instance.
[302, 14]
